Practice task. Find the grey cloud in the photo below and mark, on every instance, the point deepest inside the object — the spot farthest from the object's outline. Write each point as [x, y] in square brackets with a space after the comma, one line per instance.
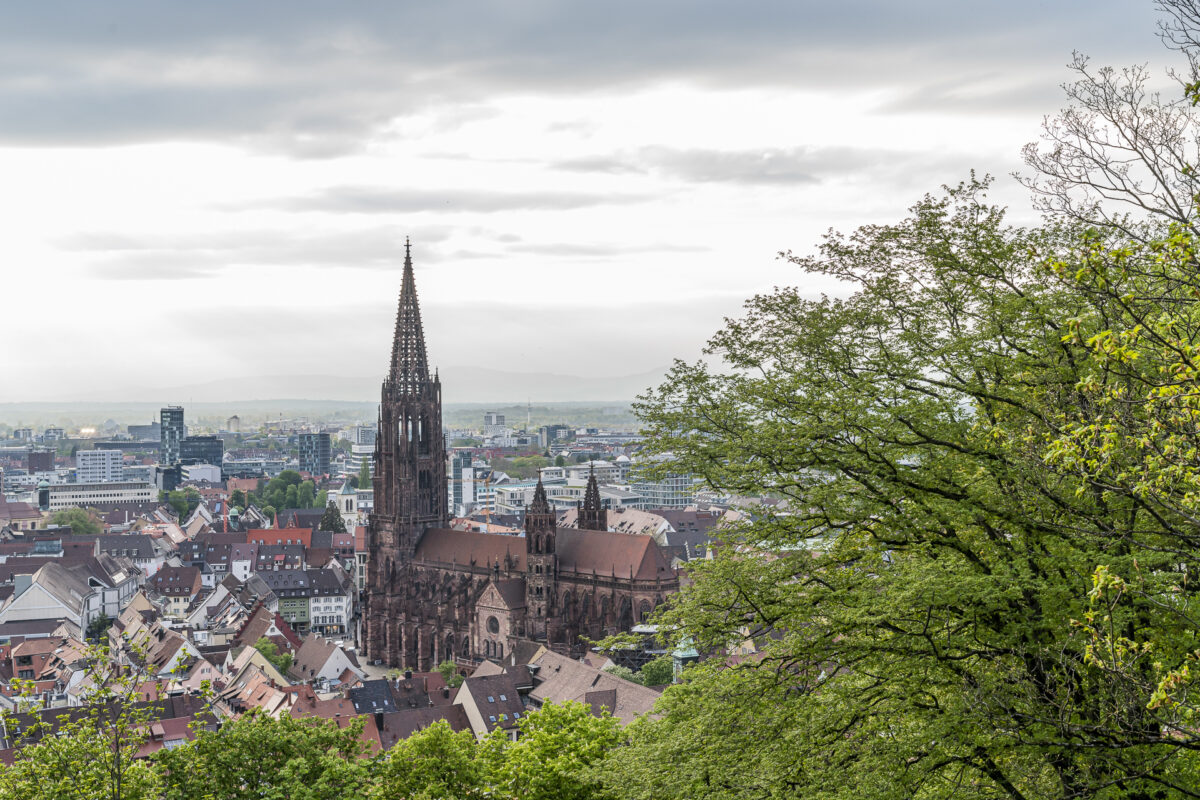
[768, 166]
[979, 94]
[611, 165]
[319, 79]
[576, 250]
[381, 200]
[178, 257]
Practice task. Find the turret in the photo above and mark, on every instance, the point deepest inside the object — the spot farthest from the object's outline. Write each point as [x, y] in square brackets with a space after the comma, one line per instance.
[593, 516]
[541, 563]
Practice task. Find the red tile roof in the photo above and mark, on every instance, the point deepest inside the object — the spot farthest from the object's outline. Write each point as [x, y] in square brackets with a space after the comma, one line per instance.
[581, 551]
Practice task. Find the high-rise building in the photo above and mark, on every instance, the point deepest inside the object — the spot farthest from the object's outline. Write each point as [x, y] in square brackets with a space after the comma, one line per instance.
[364, 434]
[314, 453]
[493, 425]
[461, 473]
[549, 434]
[39, 460]
[99, 466]
[672, 491]
[202, 450]
[172, 432]
[146, 432]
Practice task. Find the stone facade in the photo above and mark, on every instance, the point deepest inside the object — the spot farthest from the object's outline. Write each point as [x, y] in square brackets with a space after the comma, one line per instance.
[434, 593]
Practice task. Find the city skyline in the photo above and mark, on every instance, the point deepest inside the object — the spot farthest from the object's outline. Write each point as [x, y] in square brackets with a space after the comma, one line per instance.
[207, 195]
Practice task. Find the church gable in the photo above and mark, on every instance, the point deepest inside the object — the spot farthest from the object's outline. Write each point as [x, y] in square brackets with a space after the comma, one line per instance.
[508, 595]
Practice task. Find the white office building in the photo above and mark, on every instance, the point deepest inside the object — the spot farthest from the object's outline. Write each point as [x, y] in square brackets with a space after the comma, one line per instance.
[80, 495]
[99, 466]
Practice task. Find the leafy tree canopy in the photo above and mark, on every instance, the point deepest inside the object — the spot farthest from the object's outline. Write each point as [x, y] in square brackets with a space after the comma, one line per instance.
[450, 674]
[959, 443]
[270, 650]
[81, 521]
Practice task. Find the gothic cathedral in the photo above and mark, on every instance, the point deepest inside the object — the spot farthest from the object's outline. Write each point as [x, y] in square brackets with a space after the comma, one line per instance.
[435, 593]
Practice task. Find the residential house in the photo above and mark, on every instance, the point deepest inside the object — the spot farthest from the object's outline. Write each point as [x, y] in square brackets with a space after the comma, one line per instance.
[177, 587]
[53, 592]
[322, 661]
[559, 679]
[491, 702]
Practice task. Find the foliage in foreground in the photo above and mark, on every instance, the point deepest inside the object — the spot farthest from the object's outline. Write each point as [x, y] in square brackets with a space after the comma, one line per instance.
[259, 757]
[993, 414]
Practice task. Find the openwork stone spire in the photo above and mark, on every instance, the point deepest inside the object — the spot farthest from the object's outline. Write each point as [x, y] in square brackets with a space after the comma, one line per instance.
[540, 504]
[593, 515]
[410, 366]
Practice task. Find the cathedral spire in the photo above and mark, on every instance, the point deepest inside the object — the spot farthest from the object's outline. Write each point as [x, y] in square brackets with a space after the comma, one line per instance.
[410, 366]
[540, 504]
[539, 517]
[593, 516]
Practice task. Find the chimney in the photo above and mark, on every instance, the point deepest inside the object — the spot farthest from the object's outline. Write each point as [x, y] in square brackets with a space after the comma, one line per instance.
[446, 692]
[408, 674]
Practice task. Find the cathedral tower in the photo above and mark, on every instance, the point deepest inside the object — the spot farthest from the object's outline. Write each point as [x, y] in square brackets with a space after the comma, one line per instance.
[410, 463]
[541, 562]
[593, 516]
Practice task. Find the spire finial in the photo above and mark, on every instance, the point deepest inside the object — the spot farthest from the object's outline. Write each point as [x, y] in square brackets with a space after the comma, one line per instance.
[409, 367]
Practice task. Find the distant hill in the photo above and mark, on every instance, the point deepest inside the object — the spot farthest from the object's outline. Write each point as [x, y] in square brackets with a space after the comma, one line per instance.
[342, 397]
[459, 385]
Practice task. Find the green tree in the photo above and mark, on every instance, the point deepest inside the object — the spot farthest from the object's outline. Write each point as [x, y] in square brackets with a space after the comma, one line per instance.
[331, 520]
[306, 494]
[431, 764]
[270, 650]
[912, 597]
[720, 734]
[657, 672]
[523, 467]
[238, 499]
[184, 501]
[560, 461]
[292, 498]
[450, 674]
[556, 756]
[290, 477]
[255, 756]
[81, 521]
[89, 752]
[97, 629]
[623, 672]
[364, 475]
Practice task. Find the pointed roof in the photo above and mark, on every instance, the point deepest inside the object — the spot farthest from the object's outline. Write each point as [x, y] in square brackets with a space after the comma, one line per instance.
[591, 496]
[540, 504]
[410, 366]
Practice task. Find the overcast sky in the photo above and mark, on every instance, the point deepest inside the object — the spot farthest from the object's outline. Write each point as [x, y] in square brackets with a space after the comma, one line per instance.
[204, 191]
